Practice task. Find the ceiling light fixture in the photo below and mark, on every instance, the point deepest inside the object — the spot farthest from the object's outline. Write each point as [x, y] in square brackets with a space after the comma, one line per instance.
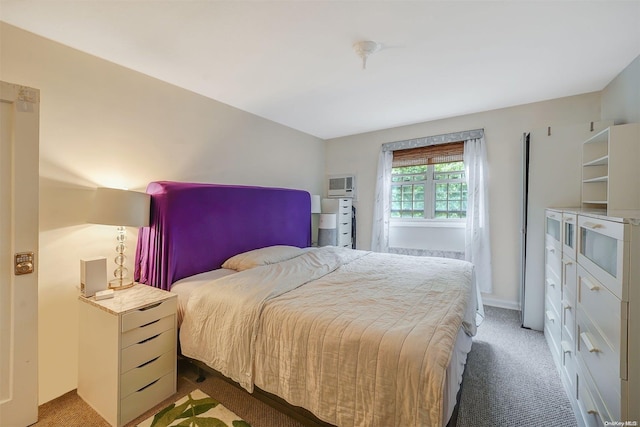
[364, 49]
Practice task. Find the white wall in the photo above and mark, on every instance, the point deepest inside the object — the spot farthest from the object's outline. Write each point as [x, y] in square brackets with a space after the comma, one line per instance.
[440, 237]
[503, 131]
[105, 125]
[621, 97]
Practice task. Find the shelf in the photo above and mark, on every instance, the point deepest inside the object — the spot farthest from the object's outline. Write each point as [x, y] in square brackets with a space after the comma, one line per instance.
[601, 161]
[601, 136]
[597, 179]
[610, 168]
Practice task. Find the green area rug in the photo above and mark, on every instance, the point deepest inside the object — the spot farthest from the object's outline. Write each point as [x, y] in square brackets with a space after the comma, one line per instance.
[196, 409]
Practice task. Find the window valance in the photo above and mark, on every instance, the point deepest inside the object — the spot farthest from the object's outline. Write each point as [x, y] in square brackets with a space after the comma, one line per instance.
[433, 140]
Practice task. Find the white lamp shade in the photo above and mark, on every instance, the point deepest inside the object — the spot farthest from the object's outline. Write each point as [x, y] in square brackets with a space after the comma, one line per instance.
[120, 207]
[328, 221]
[315, 204]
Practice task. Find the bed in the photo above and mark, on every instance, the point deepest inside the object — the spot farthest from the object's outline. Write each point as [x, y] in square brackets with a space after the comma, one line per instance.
[355, 337]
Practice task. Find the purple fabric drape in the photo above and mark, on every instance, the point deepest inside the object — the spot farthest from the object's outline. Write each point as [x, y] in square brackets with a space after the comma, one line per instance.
[195, 227]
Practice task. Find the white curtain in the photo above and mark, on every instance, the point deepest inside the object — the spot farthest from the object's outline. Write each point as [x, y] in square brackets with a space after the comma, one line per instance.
[382, 207]
[477, 240]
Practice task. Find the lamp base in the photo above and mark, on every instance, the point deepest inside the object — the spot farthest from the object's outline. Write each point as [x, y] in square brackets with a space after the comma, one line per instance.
[120, 284]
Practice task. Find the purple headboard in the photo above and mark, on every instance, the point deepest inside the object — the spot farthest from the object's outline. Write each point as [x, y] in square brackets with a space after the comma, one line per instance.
[195, 227]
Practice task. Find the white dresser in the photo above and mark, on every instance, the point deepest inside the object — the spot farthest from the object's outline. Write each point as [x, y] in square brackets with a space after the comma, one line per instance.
[127, 352]
[552, 281]
[342, 209]
[596, 342]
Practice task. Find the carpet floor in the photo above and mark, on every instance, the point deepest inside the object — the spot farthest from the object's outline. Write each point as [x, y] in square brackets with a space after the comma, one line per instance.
[510, 380]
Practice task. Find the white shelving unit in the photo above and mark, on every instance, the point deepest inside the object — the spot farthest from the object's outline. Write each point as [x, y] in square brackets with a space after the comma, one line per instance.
[610, 172]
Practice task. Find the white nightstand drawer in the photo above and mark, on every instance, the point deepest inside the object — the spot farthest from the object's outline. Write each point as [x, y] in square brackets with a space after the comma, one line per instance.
[338, 206]
[148, 330]
[148, 314]
[604, 309]
[137, 354]
[139, 377]
[344, 227]
[138, 402]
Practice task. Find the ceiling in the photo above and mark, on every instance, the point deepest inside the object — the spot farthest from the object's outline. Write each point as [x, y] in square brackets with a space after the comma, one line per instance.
[293, 62]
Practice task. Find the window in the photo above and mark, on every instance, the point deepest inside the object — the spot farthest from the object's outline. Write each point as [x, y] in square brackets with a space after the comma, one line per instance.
[429, 183]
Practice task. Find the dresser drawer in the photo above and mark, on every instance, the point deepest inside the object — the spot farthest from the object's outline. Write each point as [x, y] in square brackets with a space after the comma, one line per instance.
[552, 328]
[569, 279]
[602, 363]
[142, 400]
[568, 363]
[344, 219]
[344, 227]
[344, 206]
[344, 239]
[148, 314]
[568, 320]
[141, 333]
[553, 289]
[604, 309]
[553, 258]
[142, 352]
[600, 248]
[591, 407]
[137, 378]
[338, 206]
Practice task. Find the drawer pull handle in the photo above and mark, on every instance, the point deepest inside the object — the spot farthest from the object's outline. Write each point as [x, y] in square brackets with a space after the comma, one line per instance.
[567, 262]
[587, 341]
[550, 316]
[551, 249]
[568, 220]
[149, 324]
[566, 305]
[593, 225]
[592, 412]
[146, 363]
[566, 347]
[591, 286]
[149, 339]
[550, 283]
[148, 385]
[150, 307]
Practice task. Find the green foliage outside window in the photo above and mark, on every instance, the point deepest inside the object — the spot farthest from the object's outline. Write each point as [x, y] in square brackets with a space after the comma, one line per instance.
[434, 191]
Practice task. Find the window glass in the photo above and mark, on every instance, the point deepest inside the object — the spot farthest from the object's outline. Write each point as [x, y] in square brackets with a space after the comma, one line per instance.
[429, 191]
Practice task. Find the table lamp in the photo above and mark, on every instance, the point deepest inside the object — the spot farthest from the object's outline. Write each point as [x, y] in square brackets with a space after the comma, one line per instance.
[121, 208]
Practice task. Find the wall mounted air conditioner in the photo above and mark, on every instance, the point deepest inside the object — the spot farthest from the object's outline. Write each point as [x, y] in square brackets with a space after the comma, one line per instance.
[341, 186]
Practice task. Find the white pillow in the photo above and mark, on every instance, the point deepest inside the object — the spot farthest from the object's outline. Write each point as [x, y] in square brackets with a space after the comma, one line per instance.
[262, 256]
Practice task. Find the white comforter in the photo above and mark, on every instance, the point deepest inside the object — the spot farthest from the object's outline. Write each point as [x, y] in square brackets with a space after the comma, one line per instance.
[358, 338]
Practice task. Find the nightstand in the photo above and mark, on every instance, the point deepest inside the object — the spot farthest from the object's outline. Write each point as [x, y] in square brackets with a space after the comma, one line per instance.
[127, 352]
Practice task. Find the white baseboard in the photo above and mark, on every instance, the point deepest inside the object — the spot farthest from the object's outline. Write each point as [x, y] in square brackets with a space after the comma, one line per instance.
[500, 303]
